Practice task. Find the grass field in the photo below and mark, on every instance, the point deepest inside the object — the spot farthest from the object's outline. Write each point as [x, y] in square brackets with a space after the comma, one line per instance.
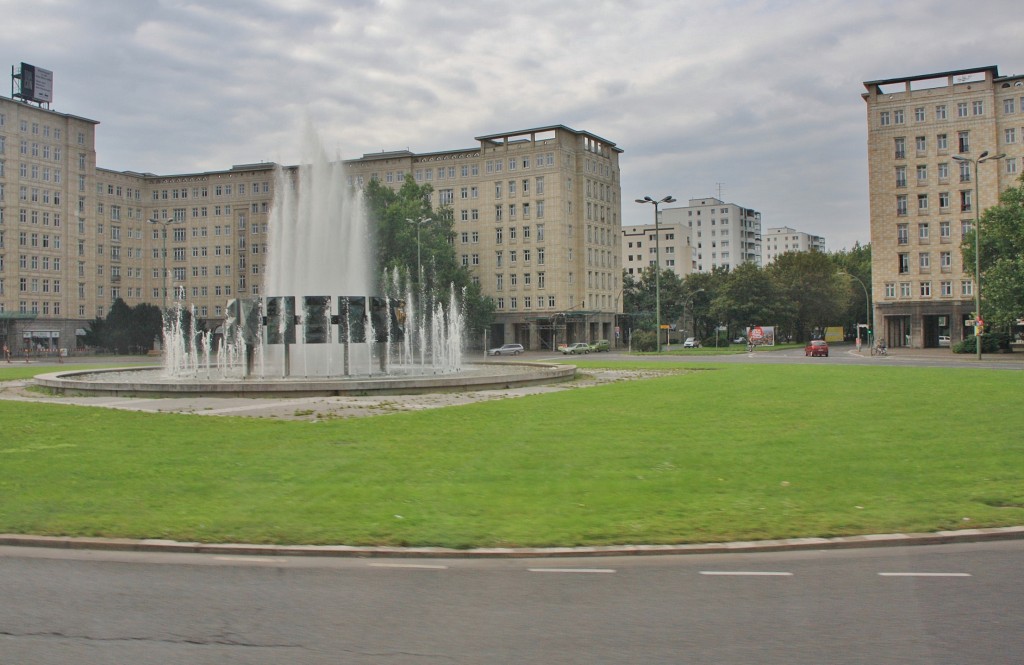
[722, 452]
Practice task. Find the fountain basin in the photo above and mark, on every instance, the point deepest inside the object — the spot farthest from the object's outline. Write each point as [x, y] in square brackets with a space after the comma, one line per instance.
[149, 382]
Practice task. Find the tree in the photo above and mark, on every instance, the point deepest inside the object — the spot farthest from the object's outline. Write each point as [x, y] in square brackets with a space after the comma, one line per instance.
[1002, 258]
[747, 297]
[856, 263]
[126, 329]
[397, 246]
[810, 294]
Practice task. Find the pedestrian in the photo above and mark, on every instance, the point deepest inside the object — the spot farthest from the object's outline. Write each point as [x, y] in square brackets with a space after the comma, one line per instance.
[858, 342]
[7, 353]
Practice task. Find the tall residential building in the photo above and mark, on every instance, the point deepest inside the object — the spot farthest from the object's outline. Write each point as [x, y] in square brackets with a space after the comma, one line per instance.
[782, 239]
[536, 218]
[722, 235]
[641, 246]
[923, 201]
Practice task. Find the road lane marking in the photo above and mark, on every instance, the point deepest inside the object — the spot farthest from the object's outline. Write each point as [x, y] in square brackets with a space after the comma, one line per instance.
[252, 559]
[746, 573]
[924, 574]
[571, 570]
[422, 566]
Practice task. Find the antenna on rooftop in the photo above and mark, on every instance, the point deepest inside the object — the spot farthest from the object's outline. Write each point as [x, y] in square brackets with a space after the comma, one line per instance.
[719, 185]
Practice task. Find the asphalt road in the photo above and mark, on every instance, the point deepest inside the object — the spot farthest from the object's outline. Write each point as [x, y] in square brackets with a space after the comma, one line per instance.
[943, 604]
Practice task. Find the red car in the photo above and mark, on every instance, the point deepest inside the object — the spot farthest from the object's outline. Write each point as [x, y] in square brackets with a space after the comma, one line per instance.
[816, 347]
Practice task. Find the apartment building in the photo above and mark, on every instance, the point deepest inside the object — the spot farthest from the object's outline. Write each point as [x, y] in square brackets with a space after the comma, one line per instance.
[641, 246]
[721, 234]
[923, 201]
[536, 214]
[782, 239]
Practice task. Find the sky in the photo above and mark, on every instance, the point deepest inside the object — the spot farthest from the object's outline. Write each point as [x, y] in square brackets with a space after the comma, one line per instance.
[755, 101]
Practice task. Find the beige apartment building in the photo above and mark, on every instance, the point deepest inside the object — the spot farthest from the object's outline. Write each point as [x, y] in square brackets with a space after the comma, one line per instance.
[642, 245]
[781, 239]
[537, 215]
[536, 218]
[923, 200]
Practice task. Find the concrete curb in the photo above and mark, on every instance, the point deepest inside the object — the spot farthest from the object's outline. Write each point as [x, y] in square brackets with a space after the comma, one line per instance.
[788, 544]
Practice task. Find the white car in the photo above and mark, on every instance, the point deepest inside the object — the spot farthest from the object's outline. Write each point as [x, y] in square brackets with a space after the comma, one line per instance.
[944, 340]
[691, 343]
[507, 350]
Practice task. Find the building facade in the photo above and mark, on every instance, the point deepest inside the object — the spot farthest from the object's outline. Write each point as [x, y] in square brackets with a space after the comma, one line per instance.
[923, 201]
[722, 235]
[641, 246]
[536, 218]
[536, 221]
[782, 239]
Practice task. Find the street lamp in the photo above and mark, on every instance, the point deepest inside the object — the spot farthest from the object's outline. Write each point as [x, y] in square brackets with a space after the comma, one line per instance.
[983, 157]
[165, 223]
[657, 264]
[867, 302]
[689, 299]
[418, 223]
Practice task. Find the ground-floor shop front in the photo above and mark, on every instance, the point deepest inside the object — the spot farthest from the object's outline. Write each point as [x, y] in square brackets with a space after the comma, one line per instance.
[548, 332]
[923, 325]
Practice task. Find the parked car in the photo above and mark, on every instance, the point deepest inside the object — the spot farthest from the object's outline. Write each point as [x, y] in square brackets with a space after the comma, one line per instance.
[944, 340]
[691, 343]
[740, 340]
[816, 347]
[601, 345]
[507, 350]
[578, 347]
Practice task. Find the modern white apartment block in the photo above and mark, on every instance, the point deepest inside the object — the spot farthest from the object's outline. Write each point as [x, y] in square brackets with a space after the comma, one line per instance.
[721, 234]
[782, 239]
[923, 201]
[641, 246]
[536, 212]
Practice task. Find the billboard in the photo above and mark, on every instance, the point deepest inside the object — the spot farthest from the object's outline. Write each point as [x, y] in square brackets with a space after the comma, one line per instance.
[36, 84]
[761, 335]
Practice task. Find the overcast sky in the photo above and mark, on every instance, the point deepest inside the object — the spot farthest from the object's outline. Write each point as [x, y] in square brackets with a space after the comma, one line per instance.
[758, 97]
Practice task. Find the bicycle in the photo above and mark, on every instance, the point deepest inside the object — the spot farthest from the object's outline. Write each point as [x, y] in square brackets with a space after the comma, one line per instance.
[880, 349]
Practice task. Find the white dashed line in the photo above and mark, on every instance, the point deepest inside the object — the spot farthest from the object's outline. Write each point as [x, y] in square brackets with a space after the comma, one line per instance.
[745, 573]
[924, 574]
[423, 566]
[571, 570]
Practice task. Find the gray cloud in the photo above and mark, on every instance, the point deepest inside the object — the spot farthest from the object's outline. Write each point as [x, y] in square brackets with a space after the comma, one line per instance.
[762, 97]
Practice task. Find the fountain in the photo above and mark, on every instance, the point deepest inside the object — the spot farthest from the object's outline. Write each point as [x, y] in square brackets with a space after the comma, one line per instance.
[329, 324]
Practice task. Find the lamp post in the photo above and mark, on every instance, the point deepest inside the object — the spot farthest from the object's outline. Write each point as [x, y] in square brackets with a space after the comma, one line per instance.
[657, 264]
[419, 224]
[983, 157]
[165, 223]
[689, 299]
[867, 302]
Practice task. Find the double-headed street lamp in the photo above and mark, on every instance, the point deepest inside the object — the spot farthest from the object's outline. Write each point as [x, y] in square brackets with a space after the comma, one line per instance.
[165, 223]
[978, 321]
[419, 224]
[657, 263]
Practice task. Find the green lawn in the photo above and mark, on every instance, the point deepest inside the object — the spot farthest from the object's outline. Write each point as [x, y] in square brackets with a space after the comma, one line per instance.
[723, 452]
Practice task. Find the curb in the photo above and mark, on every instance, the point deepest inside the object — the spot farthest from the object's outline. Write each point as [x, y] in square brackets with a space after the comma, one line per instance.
[783, 545]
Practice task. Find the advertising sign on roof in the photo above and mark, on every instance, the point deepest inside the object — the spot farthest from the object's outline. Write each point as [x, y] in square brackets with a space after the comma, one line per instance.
[36, 84]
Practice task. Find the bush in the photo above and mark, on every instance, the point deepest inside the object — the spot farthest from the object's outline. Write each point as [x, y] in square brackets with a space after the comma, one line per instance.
[990, 343]
[644, 340]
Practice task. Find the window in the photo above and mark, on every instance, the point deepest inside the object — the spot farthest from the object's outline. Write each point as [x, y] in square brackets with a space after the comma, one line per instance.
[945, 261]
[921, 144]
[901, 205]
[942, 142]
[946, 288]
[904, 263]
[923, 232]
[1011, 165]
[904, 289]
[884, 118]
[890, 289]
[965, 171]
[924, 260]
[940, 112]
[897, 117]
[943, 172]
[944, 230]
[964, 141]
[902, 234]
[961, 110]
[926, 289]
[967, 287]
[1008, 105]
[978, 107]
[919, 114]
[1010, 135]
[900, 144]
[901, 176]
[922, 173]
[944, 202]
[965, 200]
